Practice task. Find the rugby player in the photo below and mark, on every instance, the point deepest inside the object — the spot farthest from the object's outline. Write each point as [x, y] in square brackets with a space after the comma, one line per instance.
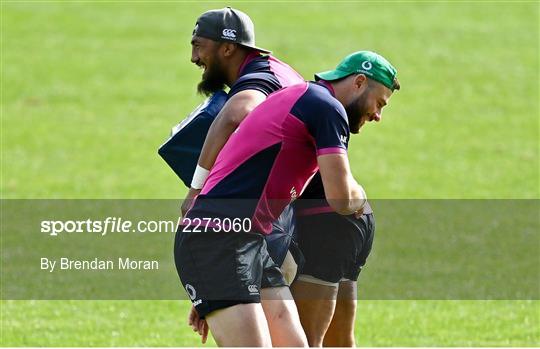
[263, 166]
[335, 247]
[223, 44]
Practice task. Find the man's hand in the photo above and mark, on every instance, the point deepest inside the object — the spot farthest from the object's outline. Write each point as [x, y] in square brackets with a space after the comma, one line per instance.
[192, 193]
[342, 191]
[198, 325]
[358, 214]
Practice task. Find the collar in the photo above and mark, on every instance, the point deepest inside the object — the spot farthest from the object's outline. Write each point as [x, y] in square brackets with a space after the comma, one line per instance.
[251, 56]
[328, 87]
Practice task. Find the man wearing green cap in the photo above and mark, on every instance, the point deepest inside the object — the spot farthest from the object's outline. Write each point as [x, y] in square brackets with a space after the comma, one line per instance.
[266, 163]
[335, 246]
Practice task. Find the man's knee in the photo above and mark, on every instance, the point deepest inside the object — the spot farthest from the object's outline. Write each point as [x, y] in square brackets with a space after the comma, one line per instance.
[279, 310]
[282, 317]
[339, 339]
[315, 338]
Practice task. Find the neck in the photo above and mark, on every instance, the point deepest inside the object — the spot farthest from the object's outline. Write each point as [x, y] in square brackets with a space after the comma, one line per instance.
[233, 66]
[340, 90]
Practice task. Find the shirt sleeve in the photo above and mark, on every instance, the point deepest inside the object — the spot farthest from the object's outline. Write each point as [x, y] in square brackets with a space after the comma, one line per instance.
[330, 129]
[265, 82]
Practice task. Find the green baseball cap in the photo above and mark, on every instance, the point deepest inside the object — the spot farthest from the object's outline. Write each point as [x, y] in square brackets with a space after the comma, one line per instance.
[368, 63]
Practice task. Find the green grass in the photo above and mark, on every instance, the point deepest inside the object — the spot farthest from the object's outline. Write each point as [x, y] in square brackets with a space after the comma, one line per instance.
[162, 323]
[90, 90]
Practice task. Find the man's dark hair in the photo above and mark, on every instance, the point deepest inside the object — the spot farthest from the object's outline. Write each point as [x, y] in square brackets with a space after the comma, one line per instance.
[395, 84]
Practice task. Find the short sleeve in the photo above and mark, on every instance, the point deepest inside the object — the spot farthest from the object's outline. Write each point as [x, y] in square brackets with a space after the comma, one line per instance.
[325, 119]
[330, 130]
[265, 82]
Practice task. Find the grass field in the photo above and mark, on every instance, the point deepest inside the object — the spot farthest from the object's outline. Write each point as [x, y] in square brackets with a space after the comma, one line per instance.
[161, 323]
[91, 89]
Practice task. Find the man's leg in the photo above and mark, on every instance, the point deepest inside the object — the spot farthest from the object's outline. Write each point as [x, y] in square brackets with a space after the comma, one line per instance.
[341, 330]
[282, 317]
[316, 303]
[289, 268]
[223, 283]
[242, 325]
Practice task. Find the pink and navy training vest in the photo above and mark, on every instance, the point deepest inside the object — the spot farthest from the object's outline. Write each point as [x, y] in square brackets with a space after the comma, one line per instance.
[264, 73]
[270, 158]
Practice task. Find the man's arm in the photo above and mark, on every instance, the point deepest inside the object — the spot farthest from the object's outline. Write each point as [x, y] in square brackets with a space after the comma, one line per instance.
[342, 191]
[228, 119]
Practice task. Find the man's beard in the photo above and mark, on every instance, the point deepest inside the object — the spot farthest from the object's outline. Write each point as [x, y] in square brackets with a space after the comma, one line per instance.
[355, 111]
[213, 81]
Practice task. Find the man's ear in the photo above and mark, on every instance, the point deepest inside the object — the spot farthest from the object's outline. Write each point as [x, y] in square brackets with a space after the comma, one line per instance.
[360, 81]
[228, 49]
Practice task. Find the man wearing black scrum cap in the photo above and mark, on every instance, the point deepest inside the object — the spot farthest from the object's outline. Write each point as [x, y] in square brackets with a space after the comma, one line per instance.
[223, 45]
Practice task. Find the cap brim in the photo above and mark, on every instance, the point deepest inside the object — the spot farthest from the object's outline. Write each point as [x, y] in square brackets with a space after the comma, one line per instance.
[331, 75]
[256, 48]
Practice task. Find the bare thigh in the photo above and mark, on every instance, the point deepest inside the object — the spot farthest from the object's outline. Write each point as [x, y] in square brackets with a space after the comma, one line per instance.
[341, 330]
[316, 304]
[242, 325]
[282, 317]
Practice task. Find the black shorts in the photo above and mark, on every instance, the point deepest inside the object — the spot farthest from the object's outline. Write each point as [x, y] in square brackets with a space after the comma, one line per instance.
[335, 247]
[282, 235]
[283, 239]
[222, 269]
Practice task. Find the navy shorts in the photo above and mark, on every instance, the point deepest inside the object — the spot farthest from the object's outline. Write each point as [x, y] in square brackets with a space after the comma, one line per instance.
[222, 269]
[335, 247]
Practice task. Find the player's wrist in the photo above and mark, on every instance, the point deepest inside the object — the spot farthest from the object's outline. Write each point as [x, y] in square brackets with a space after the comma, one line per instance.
[199, 177]
[362, 196]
